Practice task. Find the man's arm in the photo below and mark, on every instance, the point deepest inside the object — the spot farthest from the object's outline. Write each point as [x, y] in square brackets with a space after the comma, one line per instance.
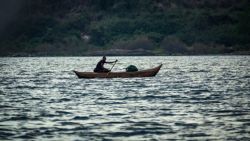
[111, 62]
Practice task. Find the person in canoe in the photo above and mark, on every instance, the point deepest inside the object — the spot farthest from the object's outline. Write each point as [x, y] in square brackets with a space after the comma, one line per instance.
[100, 65]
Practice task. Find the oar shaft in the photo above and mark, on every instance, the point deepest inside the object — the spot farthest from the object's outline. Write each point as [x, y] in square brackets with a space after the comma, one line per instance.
[112, 66]
[111, 69]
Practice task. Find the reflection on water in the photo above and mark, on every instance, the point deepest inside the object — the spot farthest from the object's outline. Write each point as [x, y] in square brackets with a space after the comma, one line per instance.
[191, 98]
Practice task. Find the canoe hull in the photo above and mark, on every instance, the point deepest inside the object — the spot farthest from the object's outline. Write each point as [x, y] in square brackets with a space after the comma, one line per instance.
[143, 73]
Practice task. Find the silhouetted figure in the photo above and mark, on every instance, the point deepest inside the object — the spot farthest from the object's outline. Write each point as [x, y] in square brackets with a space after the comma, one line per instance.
[100, 65]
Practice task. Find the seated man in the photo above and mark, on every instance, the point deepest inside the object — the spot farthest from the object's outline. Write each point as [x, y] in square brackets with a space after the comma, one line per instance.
[100, 65]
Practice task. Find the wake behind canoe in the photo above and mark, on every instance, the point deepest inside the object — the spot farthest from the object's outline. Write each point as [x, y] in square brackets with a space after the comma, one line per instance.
[143, 73]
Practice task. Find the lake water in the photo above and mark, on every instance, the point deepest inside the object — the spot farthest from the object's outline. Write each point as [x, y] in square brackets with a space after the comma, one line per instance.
[191, 98]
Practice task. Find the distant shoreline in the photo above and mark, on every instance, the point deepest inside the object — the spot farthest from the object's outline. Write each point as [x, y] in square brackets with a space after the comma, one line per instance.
[126, 55]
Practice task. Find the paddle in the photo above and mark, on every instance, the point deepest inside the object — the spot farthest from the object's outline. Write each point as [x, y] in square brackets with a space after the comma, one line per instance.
[111, 68]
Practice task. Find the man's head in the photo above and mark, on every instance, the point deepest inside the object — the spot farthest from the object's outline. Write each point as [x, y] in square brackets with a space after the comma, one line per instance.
[104, 58]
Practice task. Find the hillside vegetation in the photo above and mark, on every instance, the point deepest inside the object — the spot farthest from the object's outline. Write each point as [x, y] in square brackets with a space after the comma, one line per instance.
[126, 27]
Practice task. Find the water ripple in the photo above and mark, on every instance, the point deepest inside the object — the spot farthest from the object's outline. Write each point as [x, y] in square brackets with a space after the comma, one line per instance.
[192, 98]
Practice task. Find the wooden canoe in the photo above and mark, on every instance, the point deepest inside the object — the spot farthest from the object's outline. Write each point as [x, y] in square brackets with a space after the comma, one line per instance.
[143, 73]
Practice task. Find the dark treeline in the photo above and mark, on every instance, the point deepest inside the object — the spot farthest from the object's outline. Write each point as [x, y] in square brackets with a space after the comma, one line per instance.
[124, 27]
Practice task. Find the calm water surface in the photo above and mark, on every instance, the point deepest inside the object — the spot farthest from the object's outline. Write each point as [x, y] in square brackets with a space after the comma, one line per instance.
[191, 98]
